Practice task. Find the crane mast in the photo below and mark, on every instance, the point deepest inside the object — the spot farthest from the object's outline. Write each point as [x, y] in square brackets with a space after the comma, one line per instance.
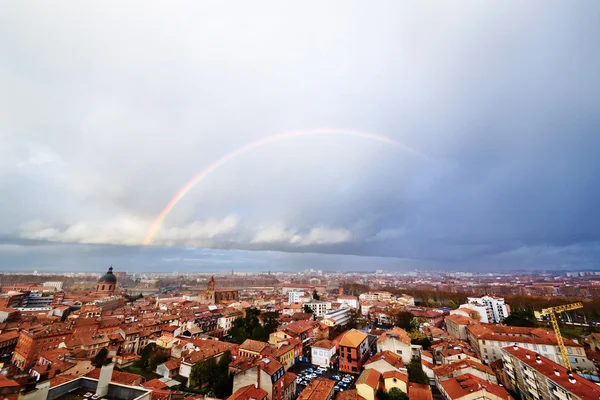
[552, 312]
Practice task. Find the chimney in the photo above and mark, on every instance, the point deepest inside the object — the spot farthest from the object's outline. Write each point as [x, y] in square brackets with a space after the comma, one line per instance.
[538, 359]
[515, 346]
[572, 379]
[527, 355]
[104, 378]
[556, 372]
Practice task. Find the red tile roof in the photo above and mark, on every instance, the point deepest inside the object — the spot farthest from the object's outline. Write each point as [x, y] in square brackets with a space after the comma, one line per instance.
[581, 386]
[247, 393]
[468, 385]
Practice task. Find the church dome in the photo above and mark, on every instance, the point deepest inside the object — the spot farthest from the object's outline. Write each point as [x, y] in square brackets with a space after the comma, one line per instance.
[108, 277]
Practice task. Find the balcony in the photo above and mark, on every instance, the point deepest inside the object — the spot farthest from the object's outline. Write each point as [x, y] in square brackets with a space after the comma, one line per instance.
[559, 394]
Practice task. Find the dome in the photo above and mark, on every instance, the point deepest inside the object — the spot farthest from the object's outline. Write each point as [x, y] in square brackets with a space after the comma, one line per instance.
[108, 277]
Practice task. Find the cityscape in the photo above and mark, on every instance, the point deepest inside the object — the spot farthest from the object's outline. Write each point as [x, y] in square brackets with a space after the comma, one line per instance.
[315, 200]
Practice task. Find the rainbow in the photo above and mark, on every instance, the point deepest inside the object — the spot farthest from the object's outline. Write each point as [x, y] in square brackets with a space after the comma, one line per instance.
[252, 145]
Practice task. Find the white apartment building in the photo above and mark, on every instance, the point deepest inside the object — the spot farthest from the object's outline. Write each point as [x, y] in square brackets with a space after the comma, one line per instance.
[319, 307]
[491, 309]
[294, 296]
[340, 316]
[57, 285]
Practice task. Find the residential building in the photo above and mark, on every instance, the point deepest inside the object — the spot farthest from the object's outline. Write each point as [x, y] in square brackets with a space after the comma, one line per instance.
[536, 377]
[341, 316]
[347, 300]
[318, 389]
[491, 309]
[37, 339]
[353, 350]
[318, 307]
[470, 387]
[249, 392]
[266, 373]
[294, 296]
[323, 352]
[456, 325]
[489, 340]
[252, 348]
[397, 341]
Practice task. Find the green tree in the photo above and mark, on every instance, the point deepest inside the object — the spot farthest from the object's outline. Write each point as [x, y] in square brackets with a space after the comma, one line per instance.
[203, 372]
[100, 357]
[396, 394]
[271, 322]
[146, 354]
[224, 361]
[223, 386]
[315, 295]
[416, 373]
[308, 310]
[521, 318]
[402, 319]
[259, 333]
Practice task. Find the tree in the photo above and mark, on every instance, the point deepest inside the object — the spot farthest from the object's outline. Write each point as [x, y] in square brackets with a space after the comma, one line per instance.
[224, 361]
[308, 310]
[315, 295]
[271, 322]
[204, 372]
[223, 386]
[402, 319]
[416, 373]
[396, 394]
[100, 358]
[521, 318]
[146, 354]
[259, 333]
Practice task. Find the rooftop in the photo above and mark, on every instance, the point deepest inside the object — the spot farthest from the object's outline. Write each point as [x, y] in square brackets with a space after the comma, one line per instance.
[579, 386]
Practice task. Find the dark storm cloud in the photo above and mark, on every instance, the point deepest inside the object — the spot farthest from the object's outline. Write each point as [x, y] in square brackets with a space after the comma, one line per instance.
[109, 109]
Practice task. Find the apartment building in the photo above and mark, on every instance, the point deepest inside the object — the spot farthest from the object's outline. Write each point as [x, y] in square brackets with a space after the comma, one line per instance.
[535, 377]
[489, 340]
[490, 309]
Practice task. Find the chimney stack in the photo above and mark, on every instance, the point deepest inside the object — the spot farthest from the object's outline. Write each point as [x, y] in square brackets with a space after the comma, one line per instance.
[104, 379]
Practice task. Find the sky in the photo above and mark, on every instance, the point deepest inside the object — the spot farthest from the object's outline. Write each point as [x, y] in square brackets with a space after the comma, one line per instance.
[108, 109]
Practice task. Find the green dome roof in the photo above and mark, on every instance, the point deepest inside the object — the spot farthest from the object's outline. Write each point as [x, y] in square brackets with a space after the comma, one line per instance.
[108, 277]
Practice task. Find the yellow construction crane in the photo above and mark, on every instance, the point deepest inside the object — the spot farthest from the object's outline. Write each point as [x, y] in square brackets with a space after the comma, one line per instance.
[552, 312]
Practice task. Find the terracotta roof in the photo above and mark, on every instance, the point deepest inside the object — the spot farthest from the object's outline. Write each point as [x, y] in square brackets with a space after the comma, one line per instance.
[468, 384]
[254, 346]
[155, 384]
[288, 378]
[417, 391]
[172, 364]
[348, 395]
[352, 338]
[247, 393]
[124, 378]
[395, 374]
[460, 319]
[581, 386]
[369, 377]
[318, 389]
[449, 369]
[324, 344]
[389, 357]
[397, 334]
[9, 335]
[516, 334]
[270, 365]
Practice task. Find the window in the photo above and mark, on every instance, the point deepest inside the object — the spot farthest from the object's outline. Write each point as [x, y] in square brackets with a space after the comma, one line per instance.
[544, 347]
[578, 351]
[569, 350]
